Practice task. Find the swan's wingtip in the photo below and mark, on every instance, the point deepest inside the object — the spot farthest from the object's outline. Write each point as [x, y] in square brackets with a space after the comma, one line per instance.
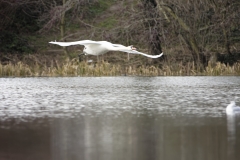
[160, 55]
[52, 41]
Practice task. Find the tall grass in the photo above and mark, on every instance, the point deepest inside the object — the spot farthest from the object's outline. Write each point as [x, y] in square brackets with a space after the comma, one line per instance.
[75, 68]
[222, 69]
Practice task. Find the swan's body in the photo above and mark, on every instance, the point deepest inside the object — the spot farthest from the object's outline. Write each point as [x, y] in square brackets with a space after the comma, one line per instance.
[102, 47]
[232, 108]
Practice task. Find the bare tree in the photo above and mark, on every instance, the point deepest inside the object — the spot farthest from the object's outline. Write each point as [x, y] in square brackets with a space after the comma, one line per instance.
[10, 8]
[200, 25]
[56, 14]
[153, 26]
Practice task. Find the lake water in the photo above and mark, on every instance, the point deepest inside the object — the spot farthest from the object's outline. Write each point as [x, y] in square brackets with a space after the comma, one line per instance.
[119, 118]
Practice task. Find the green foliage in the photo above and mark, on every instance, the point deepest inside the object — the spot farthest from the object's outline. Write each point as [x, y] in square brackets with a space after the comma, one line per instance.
[18, 20]
[108, 23]
[25, 20]
[100, 7]
[11, 42]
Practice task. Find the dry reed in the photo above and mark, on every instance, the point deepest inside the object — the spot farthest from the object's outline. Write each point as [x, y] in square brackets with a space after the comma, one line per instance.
[220, 69]
[75, 68]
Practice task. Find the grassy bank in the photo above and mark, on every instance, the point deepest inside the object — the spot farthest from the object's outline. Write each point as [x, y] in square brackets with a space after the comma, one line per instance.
[75, 68]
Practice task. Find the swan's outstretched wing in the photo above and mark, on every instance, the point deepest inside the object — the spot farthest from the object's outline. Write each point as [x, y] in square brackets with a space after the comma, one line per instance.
[137, 52]
[84, 42]
[89, 42]
[118, 45]
[236, 109]
[144, 54]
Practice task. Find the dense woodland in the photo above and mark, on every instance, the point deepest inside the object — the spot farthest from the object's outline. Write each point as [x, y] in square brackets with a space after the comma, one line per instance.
[187, 31]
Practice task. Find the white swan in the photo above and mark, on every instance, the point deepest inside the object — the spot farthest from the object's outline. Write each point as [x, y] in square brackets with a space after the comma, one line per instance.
[102, 47]
[232, 108]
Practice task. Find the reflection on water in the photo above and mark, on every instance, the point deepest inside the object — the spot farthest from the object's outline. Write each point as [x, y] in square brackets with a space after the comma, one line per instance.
[139, 138]
[123, 137]
[119, 118]
[232, 135]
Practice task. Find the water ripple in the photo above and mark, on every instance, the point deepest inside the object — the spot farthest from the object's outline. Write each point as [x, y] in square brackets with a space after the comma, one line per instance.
[71, 97]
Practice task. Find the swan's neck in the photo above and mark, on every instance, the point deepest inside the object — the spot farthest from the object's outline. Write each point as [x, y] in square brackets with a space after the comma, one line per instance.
[229, 110]
[123, 48]
[230, 107]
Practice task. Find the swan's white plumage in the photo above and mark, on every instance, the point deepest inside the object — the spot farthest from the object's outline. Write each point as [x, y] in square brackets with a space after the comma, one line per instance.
[102, 47]
[232, 108]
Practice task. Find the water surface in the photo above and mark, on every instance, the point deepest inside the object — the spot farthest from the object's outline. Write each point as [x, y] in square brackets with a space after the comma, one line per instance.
[119, 118]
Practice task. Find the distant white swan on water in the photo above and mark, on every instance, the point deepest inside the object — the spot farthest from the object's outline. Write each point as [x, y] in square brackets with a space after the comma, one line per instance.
[232, 108]
[102, 47]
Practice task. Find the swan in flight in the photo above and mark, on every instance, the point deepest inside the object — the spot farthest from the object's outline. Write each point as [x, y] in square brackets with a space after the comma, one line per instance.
[102, 47]
[232, 108]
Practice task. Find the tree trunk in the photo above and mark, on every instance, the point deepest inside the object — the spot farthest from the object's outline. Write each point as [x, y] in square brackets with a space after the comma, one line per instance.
[153, 26]
[189, 38]
[62, 27]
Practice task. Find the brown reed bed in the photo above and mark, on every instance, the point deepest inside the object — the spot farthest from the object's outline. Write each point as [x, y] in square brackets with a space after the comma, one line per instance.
[221, 69]
[75, 68]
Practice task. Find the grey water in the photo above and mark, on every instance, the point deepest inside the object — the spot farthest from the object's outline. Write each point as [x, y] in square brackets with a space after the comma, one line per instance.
[108, 118]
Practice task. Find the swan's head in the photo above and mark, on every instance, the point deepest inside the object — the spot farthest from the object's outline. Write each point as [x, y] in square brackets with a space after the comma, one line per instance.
[132, 48]
[233, 103]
